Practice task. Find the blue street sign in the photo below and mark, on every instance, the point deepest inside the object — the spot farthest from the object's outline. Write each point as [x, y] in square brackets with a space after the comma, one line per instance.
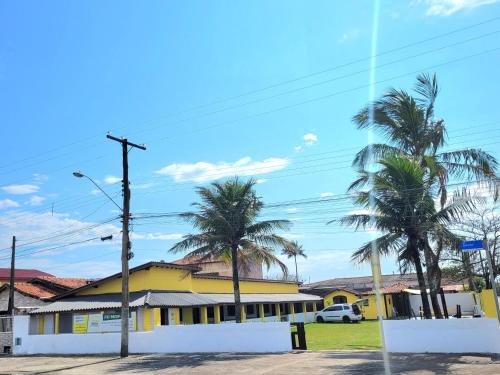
[471, 245]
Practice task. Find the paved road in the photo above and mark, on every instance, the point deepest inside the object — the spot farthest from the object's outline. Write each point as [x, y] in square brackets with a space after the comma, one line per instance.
[310, 363]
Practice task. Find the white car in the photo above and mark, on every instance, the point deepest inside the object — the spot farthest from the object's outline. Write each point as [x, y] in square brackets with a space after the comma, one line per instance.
[341, 312]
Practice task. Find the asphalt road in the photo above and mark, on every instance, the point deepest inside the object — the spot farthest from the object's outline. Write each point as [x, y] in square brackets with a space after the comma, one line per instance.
[311, 363]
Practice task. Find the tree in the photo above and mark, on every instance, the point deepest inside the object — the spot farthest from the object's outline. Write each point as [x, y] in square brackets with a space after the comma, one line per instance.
[400, 204]
[483, 223]
[228, 228]
[408, 124]
[293, 250]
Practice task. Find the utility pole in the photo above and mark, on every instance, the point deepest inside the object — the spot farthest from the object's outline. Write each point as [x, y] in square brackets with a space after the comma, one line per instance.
[10, 308]
[125, 242]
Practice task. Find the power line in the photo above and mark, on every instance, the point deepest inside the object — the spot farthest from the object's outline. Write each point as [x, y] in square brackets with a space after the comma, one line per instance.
[277, 84]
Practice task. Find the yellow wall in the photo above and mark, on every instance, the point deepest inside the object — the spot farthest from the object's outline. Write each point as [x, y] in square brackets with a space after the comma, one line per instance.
[370, 311]
[159, 278]
[205, 285]
[187, 315]
[328, 299]
[488, 303]
[155, 278]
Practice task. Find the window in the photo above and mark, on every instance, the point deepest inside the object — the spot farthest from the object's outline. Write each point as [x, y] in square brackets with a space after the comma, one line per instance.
[267, 310]
[164, 317]
[336, 308]
[346, 307]
[298, 308]
[250, 309]
[339, 299]
[210, 314]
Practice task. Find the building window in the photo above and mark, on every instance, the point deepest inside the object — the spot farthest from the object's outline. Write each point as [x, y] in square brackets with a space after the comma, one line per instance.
[164, 317]
[251, 311]
[196, 315]
[210, 314]
[339, 299]
[229, 312]
[309, 307]
[268, 310]
[298, 308]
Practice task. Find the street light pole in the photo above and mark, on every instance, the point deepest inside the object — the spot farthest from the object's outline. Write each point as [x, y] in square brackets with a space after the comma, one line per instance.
[125, 242]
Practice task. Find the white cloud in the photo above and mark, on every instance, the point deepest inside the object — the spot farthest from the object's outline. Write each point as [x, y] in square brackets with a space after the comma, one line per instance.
[95, 192]
[292, 209]
[30, 225]
[20, 189]
[40, 178]
[449, 7]
[297, 148]
[156, 236]
[260, 180]
[349, 36]
[205, 171]
[35, 200]
[310, 139]
[111, 180]
[326, 194]
[8, 203]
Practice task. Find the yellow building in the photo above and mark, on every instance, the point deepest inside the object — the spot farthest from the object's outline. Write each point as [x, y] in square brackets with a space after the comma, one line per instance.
[169, 294]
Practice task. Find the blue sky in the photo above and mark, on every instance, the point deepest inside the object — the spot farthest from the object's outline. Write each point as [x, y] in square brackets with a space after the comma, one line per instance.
[262, 89]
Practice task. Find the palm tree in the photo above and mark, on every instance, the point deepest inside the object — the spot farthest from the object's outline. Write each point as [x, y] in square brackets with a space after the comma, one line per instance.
[226, 220]
[409, 125]
[294, 249]
[400, 204]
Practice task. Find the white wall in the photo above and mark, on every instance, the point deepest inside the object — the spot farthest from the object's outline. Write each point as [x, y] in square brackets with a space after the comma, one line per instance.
[480, 335]
[465, 300]
[230, 337]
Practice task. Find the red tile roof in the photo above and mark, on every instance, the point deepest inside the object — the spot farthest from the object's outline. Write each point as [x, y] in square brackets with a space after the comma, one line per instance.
[22, 273]
[453, 288]
[36, 291]
[66, 282]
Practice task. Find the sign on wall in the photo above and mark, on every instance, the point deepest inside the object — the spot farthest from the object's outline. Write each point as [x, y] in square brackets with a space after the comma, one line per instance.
[102, 322]
[80, 323]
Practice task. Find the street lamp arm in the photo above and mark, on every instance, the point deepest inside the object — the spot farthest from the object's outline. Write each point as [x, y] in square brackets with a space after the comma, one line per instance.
[79, 174]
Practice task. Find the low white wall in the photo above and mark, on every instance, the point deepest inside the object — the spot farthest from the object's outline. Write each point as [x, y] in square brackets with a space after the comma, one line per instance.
[480, 335]
[231, 337]
[465, 300]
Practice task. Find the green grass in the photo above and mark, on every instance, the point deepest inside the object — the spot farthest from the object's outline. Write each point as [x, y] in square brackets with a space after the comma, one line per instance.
[322, 336]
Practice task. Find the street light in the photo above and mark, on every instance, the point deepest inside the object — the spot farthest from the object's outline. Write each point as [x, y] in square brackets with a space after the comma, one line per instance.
[126, 255]
[80, 175]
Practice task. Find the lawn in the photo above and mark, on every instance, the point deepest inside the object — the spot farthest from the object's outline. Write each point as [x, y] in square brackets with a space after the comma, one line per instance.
[364, 335]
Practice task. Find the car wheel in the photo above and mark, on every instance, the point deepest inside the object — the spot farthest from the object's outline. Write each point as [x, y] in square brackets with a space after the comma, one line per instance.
[346, 319]
[320, 319]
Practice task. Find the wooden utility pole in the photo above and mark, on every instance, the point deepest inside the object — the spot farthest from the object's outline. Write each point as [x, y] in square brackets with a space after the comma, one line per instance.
[10, 308]
[125, 242]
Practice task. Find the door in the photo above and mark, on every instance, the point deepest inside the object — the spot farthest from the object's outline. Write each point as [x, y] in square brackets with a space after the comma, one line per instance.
[336, 313]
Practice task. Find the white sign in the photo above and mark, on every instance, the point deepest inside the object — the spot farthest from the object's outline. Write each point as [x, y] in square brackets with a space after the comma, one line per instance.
[103, 322]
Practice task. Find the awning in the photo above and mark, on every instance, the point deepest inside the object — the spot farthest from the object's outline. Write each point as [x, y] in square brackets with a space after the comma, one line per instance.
[92, 302]
[165, 299]
[264, 298]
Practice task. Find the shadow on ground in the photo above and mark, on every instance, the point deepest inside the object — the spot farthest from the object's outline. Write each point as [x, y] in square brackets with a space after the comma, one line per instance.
[373, 363]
